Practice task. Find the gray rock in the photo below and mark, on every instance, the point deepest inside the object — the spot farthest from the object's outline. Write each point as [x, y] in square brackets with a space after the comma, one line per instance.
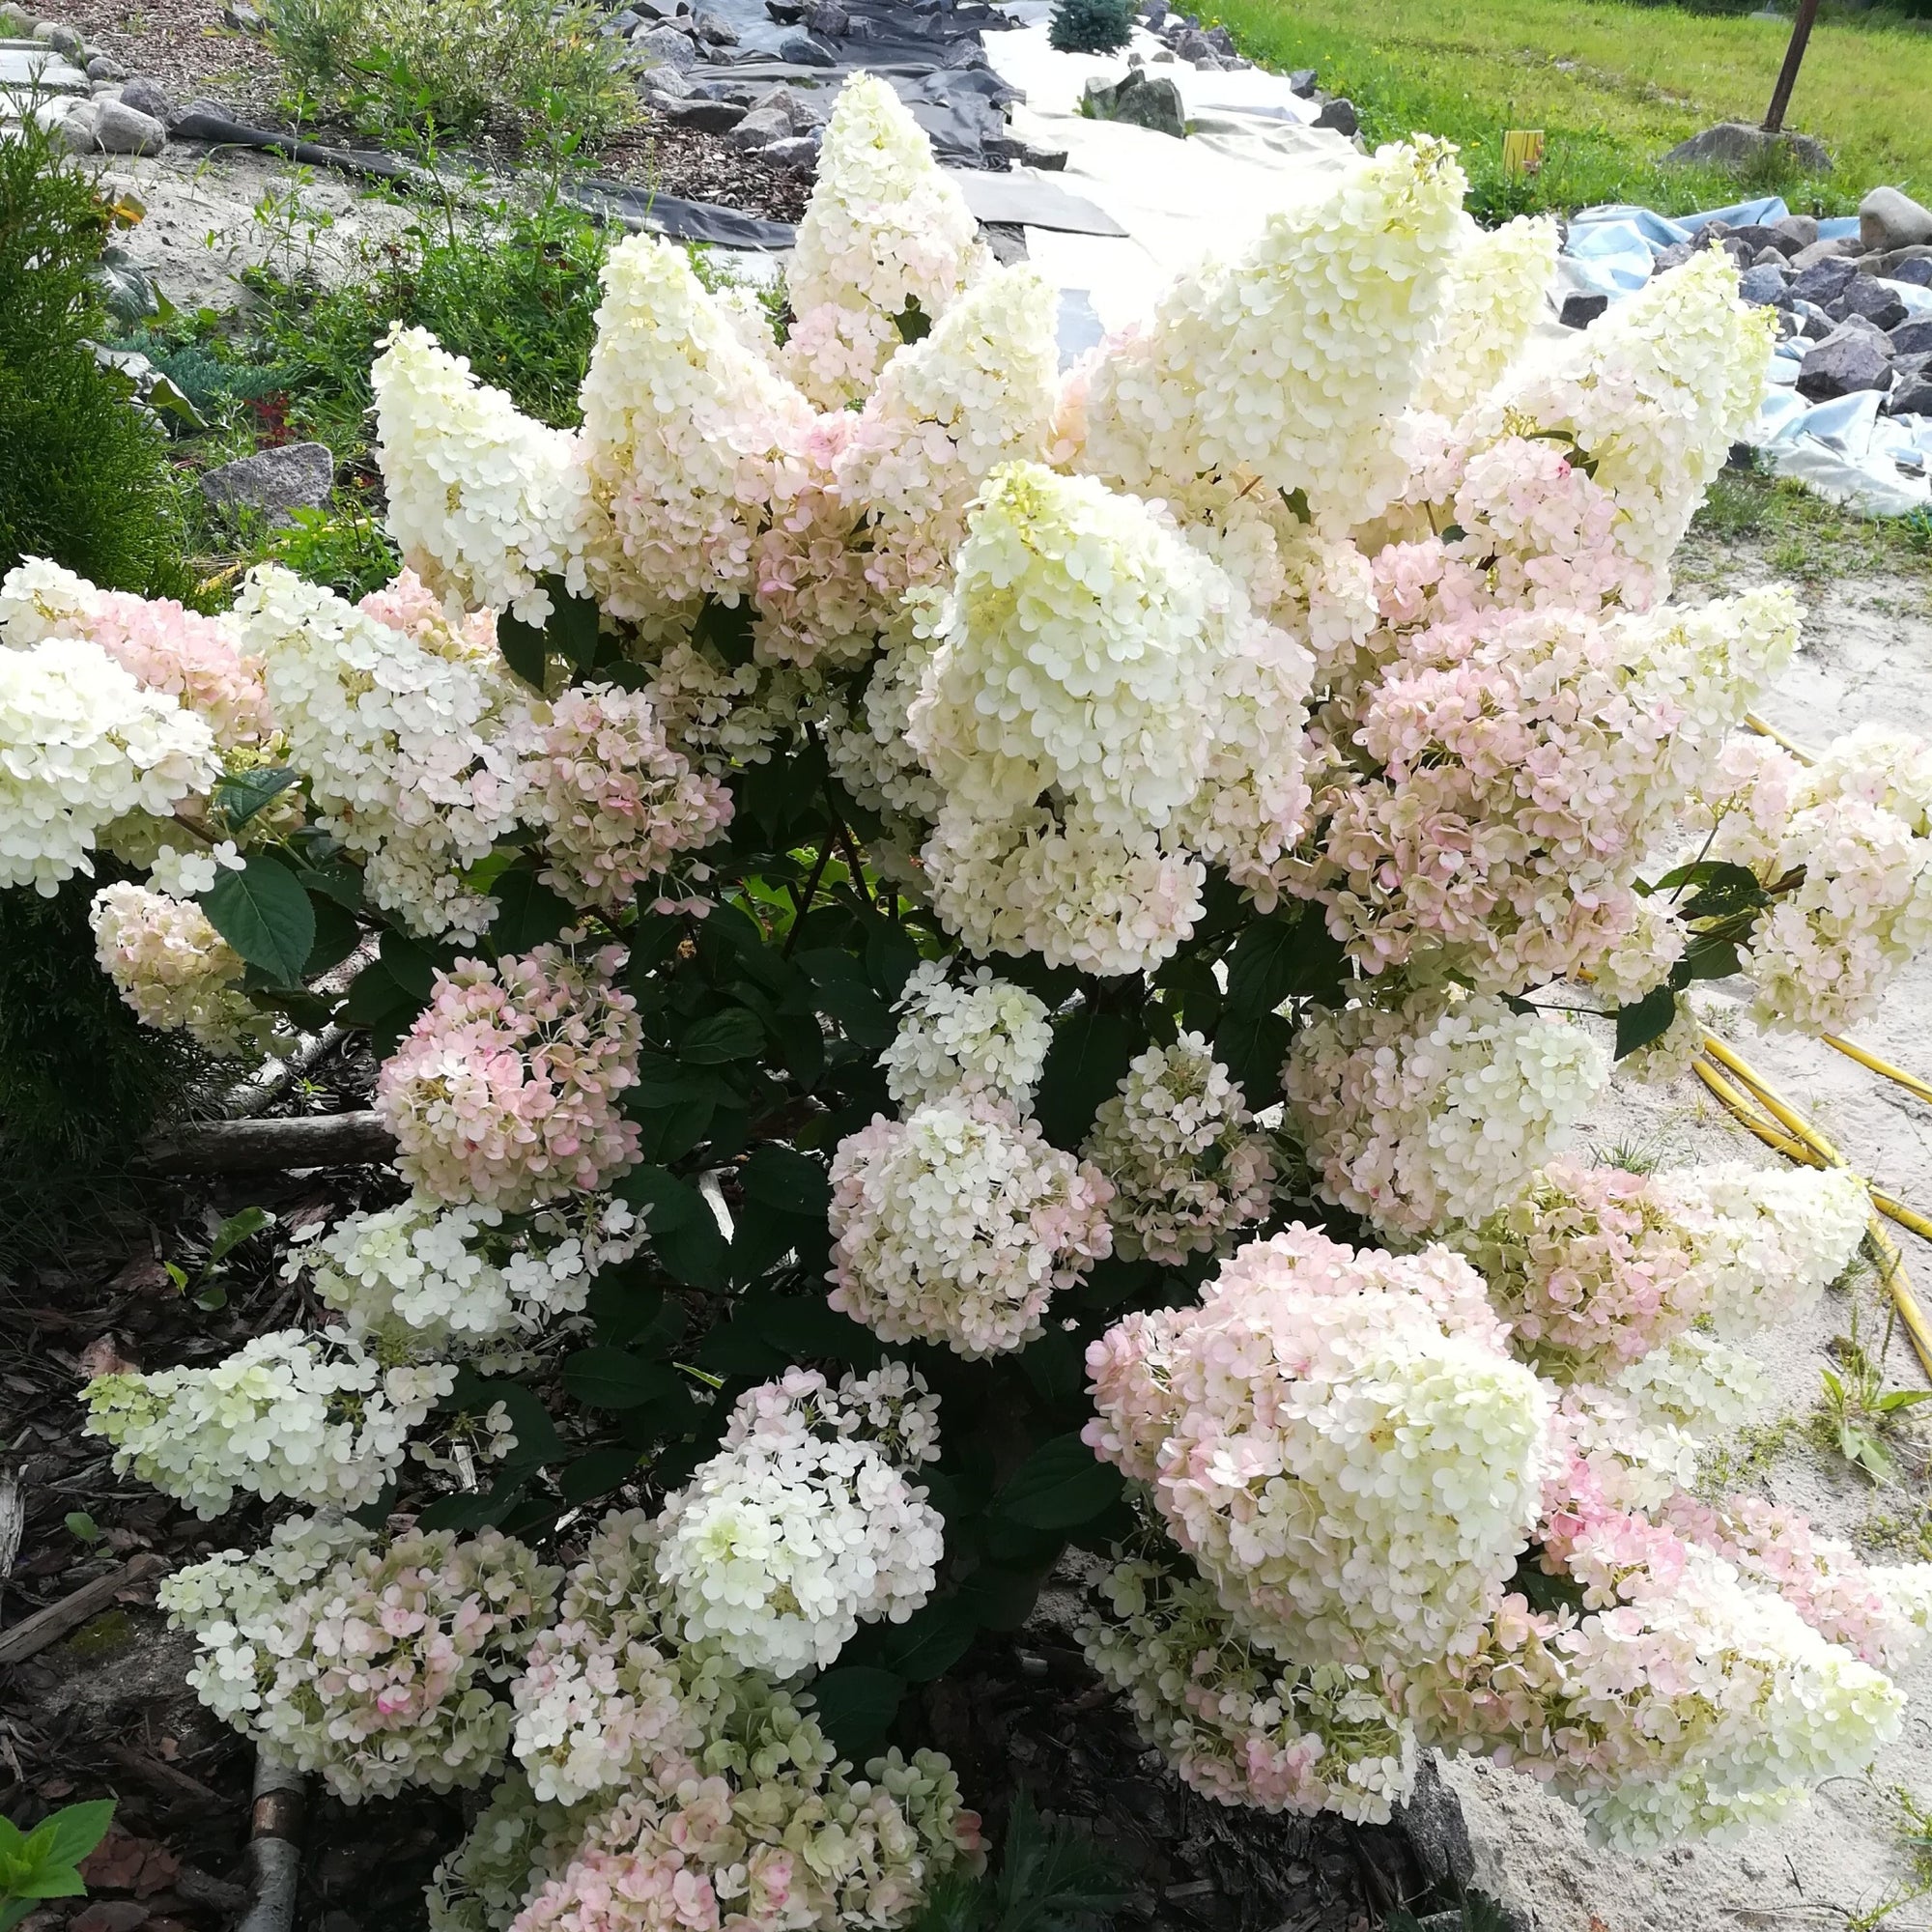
[297, 476]
[1011, 148]
[664, 82]
[799, 109]
[1673, 257]
[1301, 82]
[1223, 41]
[104, 67]
[714, 116]
[1918, 272]
[1800, 230]
[16, 22]
[1913, 338]
[667, 46]
[1580, 310]
[1153, 16]
[828, 20]
[761, 128]
[1761, 287]
[1194, 46]
[1341, 116]
[76, 125]
[625, 23]
[714, 29]
[1890, 220]
[1823, 281]
[1845, 361]
[802, 50]
[1912, 398]
[62, 38]
[786, 13]
[795, 151]
[121, 130]
[1732, 144]
[1138, 100]
[1770, 258]
[240, 14]
[1755, 235]
[1869, 299]
[1823, 251]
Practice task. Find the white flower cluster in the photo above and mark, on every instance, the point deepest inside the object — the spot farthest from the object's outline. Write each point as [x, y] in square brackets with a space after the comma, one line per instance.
[310, 1416]
[1500, 285]
[1177, 1145]
[801, 1527]
[1337, 1439]
[958, 1224]
[986, 1036]
[518, 1842]
[174, 968]
[424, 1280]
[1091, 655]
[1436, 1110]
[409, 741]
[83, 743]
[482, 502]
[885, 236]
[1239, 1726]
[1289, 364]
[370, 1661]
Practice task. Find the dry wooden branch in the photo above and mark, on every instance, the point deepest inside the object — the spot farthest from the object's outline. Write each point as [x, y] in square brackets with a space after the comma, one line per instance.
[260, 1147]
[44, 1627]
[274, 1847]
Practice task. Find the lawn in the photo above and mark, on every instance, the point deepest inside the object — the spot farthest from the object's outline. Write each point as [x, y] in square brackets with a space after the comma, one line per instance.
[1612, 85]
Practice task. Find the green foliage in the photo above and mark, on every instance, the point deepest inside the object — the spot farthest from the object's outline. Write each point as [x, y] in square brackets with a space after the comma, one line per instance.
[42, 1863]
[1090, 26]
[1480, 1913]
[1859, 1415]
[86, 479]
[467, 66]
[344, 548]
[1049, 1879]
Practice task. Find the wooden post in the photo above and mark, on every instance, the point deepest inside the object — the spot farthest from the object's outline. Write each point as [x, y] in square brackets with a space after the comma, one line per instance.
[1794, 57]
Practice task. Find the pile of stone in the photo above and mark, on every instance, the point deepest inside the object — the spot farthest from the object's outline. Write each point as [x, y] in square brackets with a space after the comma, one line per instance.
[1212, 51]
[48, 73]
[779, 123]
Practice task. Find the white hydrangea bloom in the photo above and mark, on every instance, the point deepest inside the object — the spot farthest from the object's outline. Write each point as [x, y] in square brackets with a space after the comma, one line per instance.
[1879, 764]
[482, 499]
[1338, 1440]
[1499, 288]
[1697, 1385]
[1237, 1725]
[314, 1417]
[410, 742]
[1291, 363]
[82, 744]
[1439, 1109]
[884, 230]
[958, 1224]
[1178, 1145]
[1767, 1241]
[430, 1281]
[369, 1662]
[797, 1531]
[518, 1842]
[688, 441]
[866, 747]
[174, 968]
[986, 1036]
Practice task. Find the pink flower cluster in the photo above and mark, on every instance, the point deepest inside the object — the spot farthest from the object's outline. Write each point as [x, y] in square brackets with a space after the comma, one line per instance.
[506, 1090]
[615, 800]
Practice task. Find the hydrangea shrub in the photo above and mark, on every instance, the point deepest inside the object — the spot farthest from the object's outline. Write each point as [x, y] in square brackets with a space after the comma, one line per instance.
[958, 953]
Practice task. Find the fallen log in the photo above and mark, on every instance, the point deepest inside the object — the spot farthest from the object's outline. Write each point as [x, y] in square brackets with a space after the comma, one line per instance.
[271, 1146]
[33, 1633]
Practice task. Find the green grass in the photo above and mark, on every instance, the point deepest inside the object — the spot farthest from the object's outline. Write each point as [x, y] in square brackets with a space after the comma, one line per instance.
[1612, 85]
[1798, 534]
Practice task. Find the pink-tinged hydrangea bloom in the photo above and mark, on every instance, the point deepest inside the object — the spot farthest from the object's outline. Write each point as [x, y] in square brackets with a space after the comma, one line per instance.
[369, 1661]
[174, 968]
[1239, 1726]
[1437, 1110]
[1339, 1441]
[507, 1088]
[958, 1224]
[1178, 1145]
[615, 801]
[166, 647]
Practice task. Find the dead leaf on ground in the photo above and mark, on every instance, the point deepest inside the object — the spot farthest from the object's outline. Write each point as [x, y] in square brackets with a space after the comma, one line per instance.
[102, 1356]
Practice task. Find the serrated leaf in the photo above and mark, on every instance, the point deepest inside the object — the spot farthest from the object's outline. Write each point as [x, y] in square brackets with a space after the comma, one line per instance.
[596, 1473]
[528, 913]
[855, 1704]
[1280, 958]
[240, 795]
[1087, 1062]
[523, 649]
[845, 993]
[679, 1225]
[1061, 1485]
[605, 1377]
[264, 915]
[375, 1000]
[72, 1832]
[806, 1326]
[789, 1181]
[1253, 1049]
[408, 962]
[726, 628]
[573, 629]
[1645, 1020]
[720, 1038]
[930, 1641]
[337, 934]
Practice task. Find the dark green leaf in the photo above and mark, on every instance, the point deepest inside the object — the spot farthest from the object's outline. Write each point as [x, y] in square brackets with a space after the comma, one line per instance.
[337, 934]
[890, 957]
[523, 649]
[622, 1309]
[1087, 1062]
[235, 1229]
[605, 1377]
[572, 631]
[805, 1328]
[409, 963]
[1283, 956]
[856, 1703]
[930, 1641]
[335, 879]
[679, 1225]
[528, 914]
[596, 1473]
[722, 1038]
[375, 1000]
[728, 629]
[1000, 1596]
[480, 1509]
[1707, 958]
[912, 322]
[240, 795]
[264, 913]
[1645, 1020]
[1059, 1486]
[793, 1184]
[846, 994]
[1253, 1049]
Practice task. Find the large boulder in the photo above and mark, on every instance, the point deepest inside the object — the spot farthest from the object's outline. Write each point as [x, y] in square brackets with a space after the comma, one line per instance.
[1825, 282]
[761, 128]
[1913, 338]
[1735, 145]
[802, 50]
[1796, 232]
[1138, 100]
[1762, 286]
[1890, 220]
[122, 129]
[1872, 299]
[1848, 360]
[147, 96]
[666, 47]
[714, 116]
[295, 476]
